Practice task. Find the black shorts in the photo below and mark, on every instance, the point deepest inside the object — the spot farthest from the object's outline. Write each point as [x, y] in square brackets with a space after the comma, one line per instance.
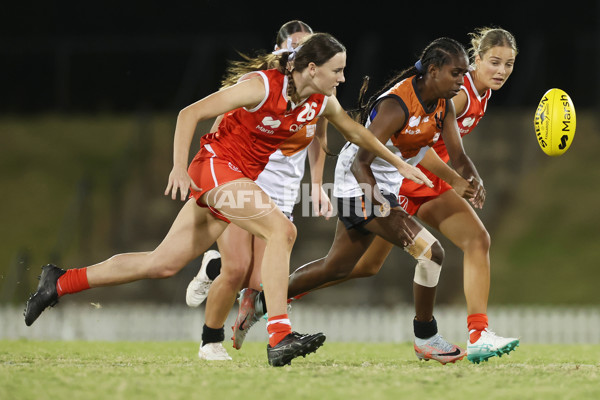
[355, 212]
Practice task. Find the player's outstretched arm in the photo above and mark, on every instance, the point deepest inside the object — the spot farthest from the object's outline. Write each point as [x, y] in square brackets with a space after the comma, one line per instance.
[247, 93]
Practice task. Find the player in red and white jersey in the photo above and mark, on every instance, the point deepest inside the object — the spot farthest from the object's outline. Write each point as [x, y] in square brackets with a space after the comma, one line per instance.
[283, 174]
[246, 138]
[261, 112]
[237, 262]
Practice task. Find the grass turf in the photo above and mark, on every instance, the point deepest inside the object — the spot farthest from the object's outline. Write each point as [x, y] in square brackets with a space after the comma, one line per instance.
[171, 370]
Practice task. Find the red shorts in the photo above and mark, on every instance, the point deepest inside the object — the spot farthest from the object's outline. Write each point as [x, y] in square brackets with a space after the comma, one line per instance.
[412, 195]
[209, 171]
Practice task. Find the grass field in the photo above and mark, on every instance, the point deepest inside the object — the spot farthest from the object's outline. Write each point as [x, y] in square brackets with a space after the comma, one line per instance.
[171, 370]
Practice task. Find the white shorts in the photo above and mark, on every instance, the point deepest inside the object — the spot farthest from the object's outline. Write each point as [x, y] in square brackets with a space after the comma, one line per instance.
[281, 178]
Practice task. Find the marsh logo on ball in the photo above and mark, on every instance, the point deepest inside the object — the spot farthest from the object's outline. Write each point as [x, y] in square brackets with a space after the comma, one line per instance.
[555, 122]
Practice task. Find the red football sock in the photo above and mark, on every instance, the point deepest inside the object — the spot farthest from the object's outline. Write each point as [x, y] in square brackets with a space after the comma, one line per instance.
[278, 328]
[476, 323]
[73, 281]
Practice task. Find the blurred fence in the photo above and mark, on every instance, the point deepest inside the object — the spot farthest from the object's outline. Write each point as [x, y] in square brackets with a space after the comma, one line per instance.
[144, 322]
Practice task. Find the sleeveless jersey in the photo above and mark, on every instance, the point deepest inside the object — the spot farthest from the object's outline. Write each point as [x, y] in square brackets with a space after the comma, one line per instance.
[412, 195]
[300, 140]
[468, 120]
[283, 173]
[422, 128]
[247, 137]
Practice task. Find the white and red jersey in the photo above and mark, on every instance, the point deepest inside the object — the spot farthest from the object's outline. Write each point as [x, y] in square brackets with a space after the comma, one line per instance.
[283, 173]
[247, 137]
[412, 194]
[470, 117]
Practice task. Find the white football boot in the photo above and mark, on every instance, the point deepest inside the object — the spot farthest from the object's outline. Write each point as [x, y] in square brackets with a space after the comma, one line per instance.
[489, 345]
[197, 290]
[213, 352]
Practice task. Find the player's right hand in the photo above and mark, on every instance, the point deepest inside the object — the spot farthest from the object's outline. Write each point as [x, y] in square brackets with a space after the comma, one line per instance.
[179, 180]
[402, 229]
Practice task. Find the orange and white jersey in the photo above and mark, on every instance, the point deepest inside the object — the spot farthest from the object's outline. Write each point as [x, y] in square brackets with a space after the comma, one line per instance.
[283, 173]
[247, 137]
[421, 130]
[412, 194]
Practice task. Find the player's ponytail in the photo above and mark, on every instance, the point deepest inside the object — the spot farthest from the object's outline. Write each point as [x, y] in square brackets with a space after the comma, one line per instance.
[261, 60]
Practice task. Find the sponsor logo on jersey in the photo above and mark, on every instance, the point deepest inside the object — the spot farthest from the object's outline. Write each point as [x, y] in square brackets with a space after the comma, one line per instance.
[296, 127]
[271, 123]
[265, 130]
[268, 122]
[467, 122]
[414, 121]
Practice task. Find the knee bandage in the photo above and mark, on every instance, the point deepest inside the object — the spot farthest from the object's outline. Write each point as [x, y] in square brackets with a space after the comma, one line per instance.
[427, 272]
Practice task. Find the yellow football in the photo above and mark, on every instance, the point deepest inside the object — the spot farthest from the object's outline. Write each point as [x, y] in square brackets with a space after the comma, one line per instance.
[555, 122]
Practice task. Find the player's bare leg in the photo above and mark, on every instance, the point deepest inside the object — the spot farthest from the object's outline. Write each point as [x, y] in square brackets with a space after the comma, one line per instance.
[235, 245]
[193, 231]
[261, 217]
[236, 262]
[457, 220]
[182, 244]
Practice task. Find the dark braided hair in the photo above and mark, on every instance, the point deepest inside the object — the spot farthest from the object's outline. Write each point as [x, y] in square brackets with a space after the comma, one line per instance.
[438, 53]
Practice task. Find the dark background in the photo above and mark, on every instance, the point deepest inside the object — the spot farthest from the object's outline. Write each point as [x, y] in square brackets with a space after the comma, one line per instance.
[89, 94]
[125, 56]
